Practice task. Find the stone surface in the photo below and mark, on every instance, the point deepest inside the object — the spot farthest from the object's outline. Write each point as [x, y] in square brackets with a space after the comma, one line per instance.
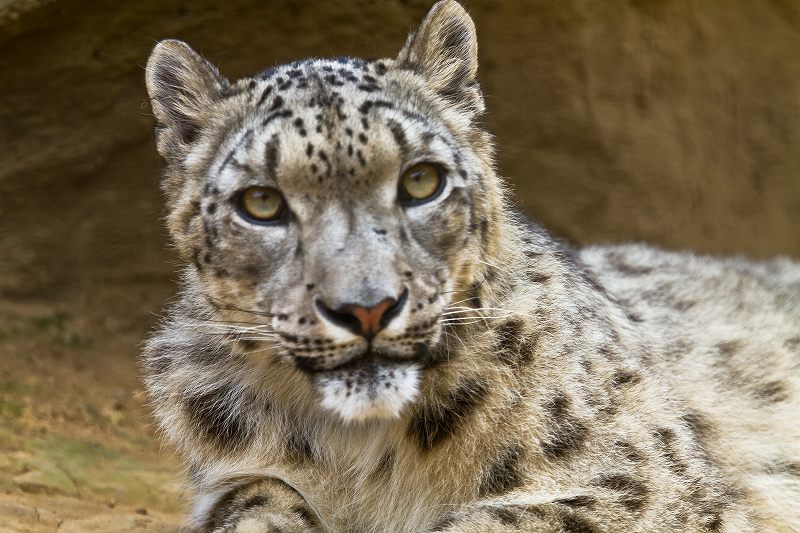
[46, 478]
[672, 122]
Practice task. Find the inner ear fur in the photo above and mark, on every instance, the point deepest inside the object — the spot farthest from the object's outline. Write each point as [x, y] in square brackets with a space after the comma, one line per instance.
[182, 86]
[444, 50]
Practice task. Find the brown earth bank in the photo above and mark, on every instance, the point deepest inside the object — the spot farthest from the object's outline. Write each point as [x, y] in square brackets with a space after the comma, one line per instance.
[674, 122]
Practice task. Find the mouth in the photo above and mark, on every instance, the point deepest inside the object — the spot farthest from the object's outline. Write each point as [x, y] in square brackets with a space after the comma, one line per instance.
[358, 362]
[369, 384]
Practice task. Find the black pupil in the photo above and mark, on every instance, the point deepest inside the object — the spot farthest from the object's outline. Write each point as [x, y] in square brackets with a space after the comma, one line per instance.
[418, 175]
[261, 196]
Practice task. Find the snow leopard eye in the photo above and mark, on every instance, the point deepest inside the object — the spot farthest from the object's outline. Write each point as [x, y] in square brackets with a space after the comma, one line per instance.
[261, 204]
[420, 183]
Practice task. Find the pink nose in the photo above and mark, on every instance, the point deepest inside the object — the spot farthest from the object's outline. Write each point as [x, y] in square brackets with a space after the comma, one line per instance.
[362, 320]
[369, 318]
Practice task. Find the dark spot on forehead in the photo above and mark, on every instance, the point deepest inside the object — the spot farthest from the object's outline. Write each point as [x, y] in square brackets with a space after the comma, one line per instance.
[264, 94]
[333, 80]
[399, 135]
[276, 103]
[271, 156]
[347, 75]
[285, 113]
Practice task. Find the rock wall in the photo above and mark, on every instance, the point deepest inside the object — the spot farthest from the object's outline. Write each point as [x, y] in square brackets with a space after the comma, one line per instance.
[671, 121]
[675, 122]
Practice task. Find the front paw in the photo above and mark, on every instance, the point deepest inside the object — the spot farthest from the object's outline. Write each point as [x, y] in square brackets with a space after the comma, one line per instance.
[261, 506]
[269, 522]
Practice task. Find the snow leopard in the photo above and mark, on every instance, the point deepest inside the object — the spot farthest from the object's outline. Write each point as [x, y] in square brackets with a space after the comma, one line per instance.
[369, 337]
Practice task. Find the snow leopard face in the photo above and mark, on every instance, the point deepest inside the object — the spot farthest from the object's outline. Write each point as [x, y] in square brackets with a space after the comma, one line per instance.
[332, 210]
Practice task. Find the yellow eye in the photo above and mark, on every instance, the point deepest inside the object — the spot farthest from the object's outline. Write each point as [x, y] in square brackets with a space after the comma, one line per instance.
[421, 182]
[263, 204]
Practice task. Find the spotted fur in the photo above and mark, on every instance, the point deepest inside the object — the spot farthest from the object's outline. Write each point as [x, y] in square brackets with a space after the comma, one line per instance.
[520, 386]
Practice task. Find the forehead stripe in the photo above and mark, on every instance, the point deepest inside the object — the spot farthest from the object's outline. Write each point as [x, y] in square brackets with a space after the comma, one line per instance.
[399, 135]
[264, 95]
[271, 156]
[283, 113]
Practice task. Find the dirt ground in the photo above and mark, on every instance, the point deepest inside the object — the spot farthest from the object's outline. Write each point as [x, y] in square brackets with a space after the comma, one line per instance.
[674, 122]
[77, 452]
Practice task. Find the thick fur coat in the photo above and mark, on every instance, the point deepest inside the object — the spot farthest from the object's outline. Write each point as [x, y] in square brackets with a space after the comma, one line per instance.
[519, 385]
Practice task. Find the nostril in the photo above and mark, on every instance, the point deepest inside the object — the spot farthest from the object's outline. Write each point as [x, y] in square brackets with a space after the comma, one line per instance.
[341, 318]
[394, 309]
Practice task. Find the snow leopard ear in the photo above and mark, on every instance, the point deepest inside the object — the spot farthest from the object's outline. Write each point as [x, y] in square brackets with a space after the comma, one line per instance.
[444, 49]
[182, 86]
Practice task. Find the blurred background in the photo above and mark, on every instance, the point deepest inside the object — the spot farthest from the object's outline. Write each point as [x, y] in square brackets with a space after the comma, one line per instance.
[675, 122]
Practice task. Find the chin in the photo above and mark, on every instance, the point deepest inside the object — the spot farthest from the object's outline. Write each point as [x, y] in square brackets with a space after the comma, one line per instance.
[371, 392]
